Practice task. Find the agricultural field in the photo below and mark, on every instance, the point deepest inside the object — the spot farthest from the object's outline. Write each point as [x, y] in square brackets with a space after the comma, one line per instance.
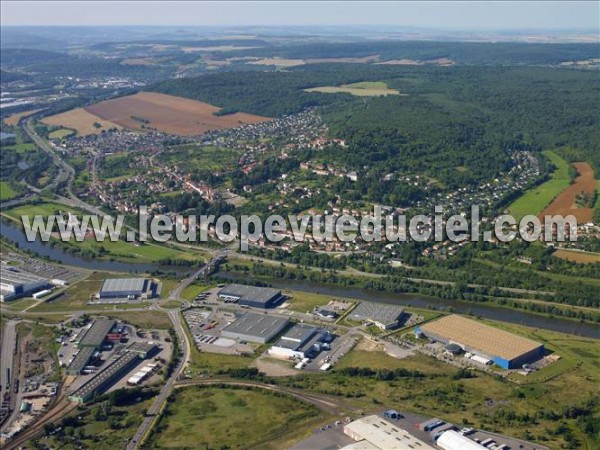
[361, 89]
[202, 417]
[576, 198]
[6, 191]
[167, 113]
[14, 119]
[535, 200]
[83, 122]
[578, 256]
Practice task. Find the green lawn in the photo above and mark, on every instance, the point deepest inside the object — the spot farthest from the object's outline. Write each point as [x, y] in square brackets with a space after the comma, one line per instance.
[60, 133]
[203, 417]
[20, 148]
[192, 291]
[6, 191]
[535, 200]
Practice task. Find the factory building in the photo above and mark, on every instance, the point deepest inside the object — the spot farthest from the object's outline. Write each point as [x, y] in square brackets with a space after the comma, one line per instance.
[15, 282]
[114, 369]
[375, 433]
[260, 328]
[453, 440]
[505, 349]
[128, 288]
[80, 361]
[300, 341]
[96, 333]
[381, 315]
[252, 296]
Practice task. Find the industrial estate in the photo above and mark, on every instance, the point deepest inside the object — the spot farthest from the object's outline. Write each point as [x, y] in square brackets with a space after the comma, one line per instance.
[299, 339]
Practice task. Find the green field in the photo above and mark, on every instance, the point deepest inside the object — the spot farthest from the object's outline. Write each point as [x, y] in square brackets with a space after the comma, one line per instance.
[60, 133]
[200, 157]
[360, 89]
[121, 250]
[7, 192]
[20, 148]
[202, 417]
[535, 200]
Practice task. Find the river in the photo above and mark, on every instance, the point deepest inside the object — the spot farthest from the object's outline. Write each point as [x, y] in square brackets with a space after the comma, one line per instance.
[514, 316]
[17, 235]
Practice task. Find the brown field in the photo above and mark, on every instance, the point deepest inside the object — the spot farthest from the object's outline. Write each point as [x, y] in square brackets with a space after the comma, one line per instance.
[13, 120]
[81, 121]
[280, 62]
[564, 204]
[577, 256]
[139, 62]
[168, 114]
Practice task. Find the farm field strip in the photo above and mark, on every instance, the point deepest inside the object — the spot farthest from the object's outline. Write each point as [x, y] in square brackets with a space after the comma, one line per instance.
[80, 120]
[361, 89]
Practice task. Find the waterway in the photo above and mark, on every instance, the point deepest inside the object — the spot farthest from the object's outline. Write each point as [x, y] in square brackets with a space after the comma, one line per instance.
[15, 234]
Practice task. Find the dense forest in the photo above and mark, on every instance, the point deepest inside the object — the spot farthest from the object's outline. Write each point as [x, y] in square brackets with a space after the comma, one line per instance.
[470, 115]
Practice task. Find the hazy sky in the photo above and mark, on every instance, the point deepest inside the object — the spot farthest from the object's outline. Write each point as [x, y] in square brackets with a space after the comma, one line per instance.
[466, 15]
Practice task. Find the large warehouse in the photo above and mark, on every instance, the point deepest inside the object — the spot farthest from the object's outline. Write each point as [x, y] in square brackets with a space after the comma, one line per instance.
[382, 315]
[15, 282]
[131, 288]
[505, 349]
[254, 327]
[299, 341]
[381, 434]
[254, 296]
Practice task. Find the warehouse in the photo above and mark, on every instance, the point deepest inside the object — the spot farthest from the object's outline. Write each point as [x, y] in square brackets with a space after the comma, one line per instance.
[382, 315]
[381, 434]
[129, 288]
[253, 296]
[80, 361]
[260, 328]
[452, 440]
[15, 282]
[95, 335]
[300, 341]
[505, 349]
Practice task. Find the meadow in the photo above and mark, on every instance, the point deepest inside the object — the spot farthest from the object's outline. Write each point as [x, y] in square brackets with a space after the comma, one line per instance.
[536, 199]
[6, 191]
[360, 89]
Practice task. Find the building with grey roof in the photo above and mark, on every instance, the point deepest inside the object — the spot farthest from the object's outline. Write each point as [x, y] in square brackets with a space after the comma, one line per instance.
[253, 296]
[130, 288]
[382, 315]
[94, 336]
[15, 282]
[260, 328]
[80, 361]
[300, 341]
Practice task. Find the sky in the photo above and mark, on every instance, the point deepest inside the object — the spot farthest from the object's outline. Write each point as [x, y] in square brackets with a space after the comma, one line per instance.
[468, 15]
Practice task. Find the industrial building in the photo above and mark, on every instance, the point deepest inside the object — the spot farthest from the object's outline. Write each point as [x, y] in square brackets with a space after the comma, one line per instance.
[253, 296]
[81, 360]
[453, 440]
[128, 288]
[15, 282]
[96, 333]
[115, 368]
[260, 328]
[373, 432]
[382, 315]
[300, 341]
[505, 349]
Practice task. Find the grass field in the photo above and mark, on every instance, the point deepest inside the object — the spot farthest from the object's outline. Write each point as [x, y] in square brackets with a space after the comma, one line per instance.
[80, 120]
[21, 148]
[120, 250]
[361, 89]
[535, 200]
[201, 157]
[6, 192]
[166, 113]
[232, 418]
[60, 133]
[578, 256]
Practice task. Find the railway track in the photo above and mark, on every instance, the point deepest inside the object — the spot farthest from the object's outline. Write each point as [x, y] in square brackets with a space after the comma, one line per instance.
[56, 412]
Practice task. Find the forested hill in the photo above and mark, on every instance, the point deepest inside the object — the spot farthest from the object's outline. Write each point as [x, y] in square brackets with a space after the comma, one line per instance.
[449, 117]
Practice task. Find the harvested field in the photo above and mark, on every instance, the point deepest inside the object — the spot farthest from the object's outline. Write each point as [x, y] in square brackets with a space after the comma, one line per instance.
[362, 60]
[166, 113]
[566, 202]
[14, 119]
[280, 62]
[81, 121]
[578, 256]
[362, 89]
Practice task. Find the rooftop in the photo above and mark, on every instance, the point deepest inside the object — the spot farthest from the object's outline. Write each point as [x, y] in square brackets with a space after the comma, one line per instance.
[15, 276]
[261, 325]
[255, 293]
[95, 335]
[124, 285]
[383, 434]
[377, 312]
[477, 335]
[81, 359]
